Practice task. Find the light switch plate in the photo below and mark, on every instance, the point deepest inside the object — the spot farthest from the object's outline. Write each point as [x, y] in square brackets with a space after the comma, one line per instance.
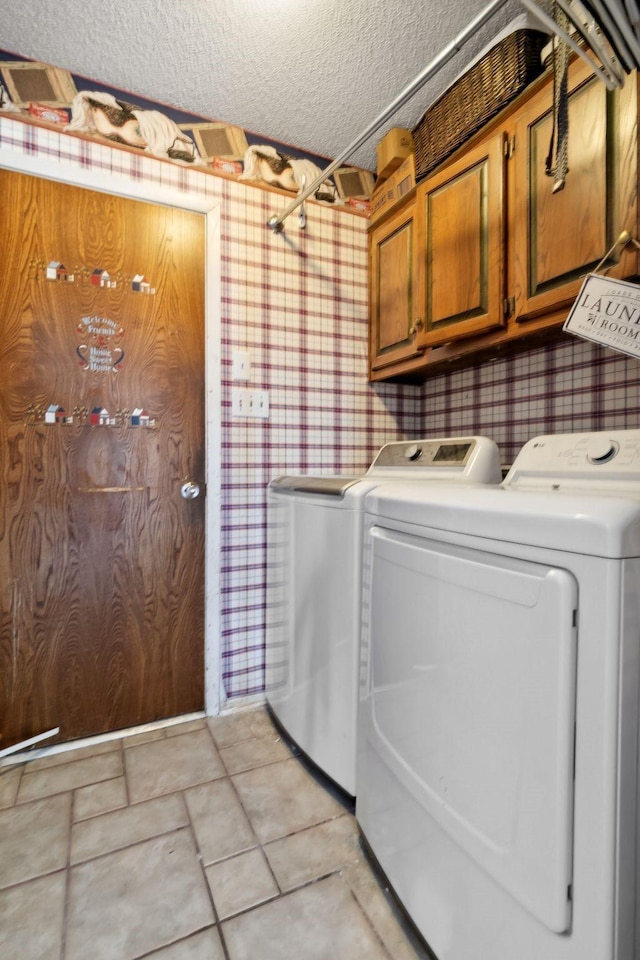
[239, 402]
[259, 403]
[240, 365]
[249, 403]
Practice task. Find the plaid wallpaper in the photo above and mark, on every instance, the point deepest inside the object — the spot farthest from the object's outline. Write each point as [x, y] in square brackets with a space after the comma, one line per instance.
[570, 387]
[297, 302]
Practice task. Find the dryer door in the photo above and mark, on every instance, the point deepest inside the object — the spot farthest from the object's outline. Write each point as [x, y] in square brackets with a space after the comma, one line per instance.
[472, 707]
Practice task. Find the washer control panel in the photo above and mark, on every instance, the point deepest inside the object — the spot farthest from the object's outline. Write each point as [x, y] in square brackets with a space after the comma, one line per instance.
[447, 458]
[610, 457]
[425, 453]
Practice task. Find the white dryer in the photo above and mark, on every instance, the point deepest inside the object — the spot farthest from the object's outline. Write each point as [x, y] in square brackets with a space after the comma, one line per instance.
[314, 577]
[498, 742]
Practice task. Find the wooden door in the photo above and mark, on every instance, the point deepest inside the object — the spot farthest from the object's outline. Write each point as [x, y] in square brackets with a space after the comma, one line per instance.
[463, 208]
[395, 304]
[101, 422]
[557, 238]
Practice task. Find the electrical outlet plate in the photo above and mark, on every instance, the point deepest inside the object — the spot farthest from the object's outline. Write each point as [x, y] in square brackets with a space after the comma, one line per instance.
[249, 403]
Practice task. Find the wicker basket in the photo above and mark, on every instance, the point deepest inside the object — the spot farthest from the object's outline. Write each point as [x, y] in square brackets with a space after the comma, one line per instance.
[482, 92]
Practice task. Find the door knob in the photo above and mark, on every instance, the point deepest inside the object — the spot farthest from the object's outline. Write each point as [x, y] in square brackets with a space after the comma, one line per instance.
[190, 490]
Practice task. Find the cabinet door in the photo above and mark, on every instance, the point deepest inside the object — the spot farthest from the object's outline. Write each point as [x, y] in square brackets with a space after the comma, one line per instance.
[393, 288]
[463, 210]
[557, 238]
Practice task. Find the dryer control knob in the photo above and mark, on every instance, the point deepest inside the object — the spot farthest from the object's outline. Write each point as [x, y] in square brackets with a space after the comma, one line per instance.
[602, 450]
[414, 452]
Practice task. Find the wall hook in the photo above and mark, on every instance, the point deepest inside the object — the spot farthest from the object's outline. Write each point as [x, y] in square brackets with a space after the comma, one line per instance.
[623, 239]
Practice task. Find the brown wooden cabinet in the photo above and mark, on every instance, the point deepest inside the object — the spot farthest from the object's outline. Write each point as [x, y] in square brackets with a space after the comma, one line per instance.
[500, 257]
[396, 289]
[462, 208]
[557, 238]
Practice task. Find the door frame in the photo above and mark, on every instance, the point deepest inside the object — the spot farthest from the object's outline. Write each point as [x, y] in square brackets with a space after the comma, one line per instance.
[54, 169]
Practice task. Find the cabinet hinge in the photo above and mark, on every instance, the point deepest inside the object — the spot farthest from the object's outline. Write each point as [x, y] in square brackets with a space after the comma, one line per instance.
[509, 306]
[509, 147]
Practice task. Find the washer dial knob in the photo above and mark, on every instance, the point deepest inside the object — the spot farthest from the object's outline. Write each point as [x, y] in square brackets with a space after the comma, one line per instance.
[414, 452]
[602, 450]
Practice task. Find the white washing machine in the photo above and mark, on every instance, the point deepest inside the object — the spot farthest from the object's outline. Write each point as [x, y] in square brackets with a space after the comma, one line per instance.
[498, 742]
[314, 554]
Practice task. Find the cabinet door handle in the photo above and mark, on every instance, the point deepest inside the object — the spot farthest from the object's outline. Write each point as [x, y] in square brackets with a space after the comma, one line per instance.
[417, 324]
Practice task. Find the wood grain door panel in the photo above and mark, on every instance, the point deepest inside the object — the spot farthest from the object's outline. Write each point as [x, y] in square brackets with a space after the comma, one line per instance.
[559, 237]
[395, 289]
[463, 208]
[101, 560]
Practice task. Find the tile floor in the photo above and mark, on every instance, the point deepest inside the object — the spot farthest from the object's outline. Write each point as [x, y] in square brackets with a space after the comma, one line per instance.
[206, 840]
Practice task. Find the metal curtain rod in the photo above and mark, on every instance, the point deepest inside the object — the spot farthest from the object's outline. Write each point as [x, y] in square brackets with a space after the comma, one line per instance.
[609, 73]
[276, 221]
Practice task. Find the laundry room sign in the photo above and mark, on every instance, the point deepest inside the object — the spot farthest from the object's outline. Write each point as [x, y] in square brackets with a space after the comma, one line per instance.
[608, 312]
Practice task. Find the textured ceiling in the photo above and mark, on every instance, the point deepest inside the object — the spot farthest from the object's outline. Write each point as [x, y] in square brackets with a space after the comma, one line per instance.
[310, 73]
